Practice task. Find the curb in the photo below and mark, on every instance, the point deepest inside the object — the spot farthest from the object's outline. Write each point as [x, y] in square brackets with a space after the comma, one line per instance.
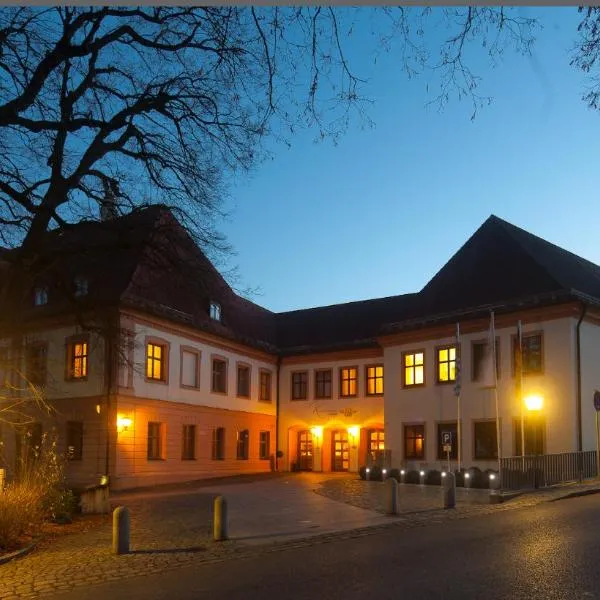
[19, 553]
[576, 494]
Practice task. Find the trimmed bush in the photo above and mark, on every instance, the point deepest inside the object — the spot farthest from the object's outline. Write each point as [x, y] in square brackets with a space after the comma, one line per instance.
[433, 477]
[395, 473]
[412, 477]
[376, 474]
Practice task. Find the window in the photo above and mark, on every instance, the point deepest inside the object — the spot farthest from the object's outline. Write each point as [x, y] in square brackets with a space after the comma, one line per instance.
[414, 441]
[414, 368]
[485, 446]
[81, 286]
[156, 361]
[446, 364]
[188, 442]
[243, 438]
[323, 384]
[375, 380]
[453, 430]
[535, 436]
[376, 442]
[219, 376]
[74, 440]
[265, 386]
[154, 441]
[243, 381]
[215, 311]
[479, 350]
[264, 445]
[300, 385]
[348, 381]
[532, 353]
[77, 359]
[36, 359]
[190, 368]
[40, 296]
[218, 443]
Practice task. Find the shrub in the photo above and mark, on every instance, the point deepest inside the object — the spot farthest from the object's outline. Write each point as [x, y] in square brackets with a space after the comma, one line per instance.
[460, 478]
[395, 473]
[376, 474]
[412, 477]
[21, 512]
[362, 472]
[477, 478]
[433, 477]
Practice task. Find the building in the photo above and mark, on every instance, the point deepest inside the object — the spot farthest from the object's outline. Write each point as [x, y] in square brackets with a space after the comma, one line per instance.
[160, 372]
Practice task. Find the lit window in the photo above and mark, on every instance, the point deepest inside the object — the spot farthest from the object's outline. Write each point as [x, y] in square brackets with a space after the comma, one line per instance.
[446, 364]
[264, 445]
[374, 380]
[81, 286]
[376, 443]
[265, 386]
[300, 385]
[414, 368]
[323, 384]
[155, 362]
[243, 443]
[40, 296]
[414, 441]
[348, 381]
[78, 359]
[215, 311]
[219, 376]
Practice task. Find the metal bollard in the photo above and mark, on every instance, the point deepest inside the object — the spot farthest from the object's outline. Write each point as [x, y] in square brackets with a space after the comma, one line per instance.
[220, 519]
[449, 490]
[391, 497]
[120, 541]
[422, 477]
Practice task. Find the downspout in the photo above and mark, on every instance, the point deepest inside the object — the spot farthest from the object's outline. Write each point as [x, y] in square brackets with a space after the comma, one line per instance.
[277, 415]
[109, 384]
[578, 382]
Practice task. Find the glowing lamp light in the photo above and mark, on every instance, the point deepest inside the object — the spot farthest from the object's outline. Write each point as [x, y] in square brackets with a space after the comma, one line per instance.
[402, 472]
[368, 470]
[492, 476]
[467, 475]
[317, 432]
[123, 423]
[443, 473]
[534, 403]
[353, 431]
[422, 473]
[384, 471]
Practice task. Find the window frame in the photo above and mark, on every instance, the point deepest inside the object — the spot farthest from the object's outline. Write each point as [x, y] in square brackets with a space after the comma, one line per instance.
[242, 444]
[439, 362]
[215, 311]
[306, 384]
[349, 380]
[423, 427]
[374, 378]
[218, 443]
[150, 454]
[225, 361]
[483, 342]
[164, 361]
[538, 420]
[189, 350]
[268, 388]
[410, 386]
[529, 334]
[238, 367]
[70, 344]
[476, 422]
[40, 292]
[264, 446]
[185, 441]
[78, 452]
[317, 373]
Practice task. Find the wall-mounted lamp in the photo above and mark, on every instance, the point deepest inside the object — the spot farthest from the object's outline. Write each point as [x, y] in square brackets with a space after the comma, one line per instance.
[123, 423]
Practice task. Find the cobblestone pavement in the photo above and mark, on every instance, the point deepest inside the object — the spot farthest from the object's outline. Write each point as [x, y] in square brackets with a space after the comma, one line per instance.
[171, 529]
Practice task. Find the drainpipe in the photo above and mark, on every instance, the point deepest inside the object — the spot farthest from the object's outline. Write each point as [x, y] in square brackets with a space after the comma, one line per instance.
[109, 340]
[578, 382]
[277, 415]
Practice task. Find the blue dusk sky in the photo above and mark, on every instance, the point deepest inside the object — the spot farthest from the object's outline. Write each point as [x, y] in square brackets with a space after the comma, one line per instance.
[381, 212]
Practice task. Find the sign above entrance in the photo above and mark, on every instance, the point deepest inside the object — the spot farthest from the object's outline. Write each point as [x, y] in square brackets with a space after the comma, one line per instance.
[348, 412]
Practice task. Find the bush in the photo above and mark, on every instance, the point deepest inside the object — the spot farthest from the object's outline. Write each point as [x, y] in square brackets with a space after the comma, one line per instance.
[477, 479]
[460, 478]
[362, 472]
[376, 473]
[433, 477]
[412, 477]
[395, 474]
[21, 512]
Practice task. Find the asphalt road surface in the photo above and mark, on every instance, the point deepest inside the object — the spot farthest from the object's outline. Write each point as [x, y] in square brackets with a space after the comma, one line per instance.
[550, 551]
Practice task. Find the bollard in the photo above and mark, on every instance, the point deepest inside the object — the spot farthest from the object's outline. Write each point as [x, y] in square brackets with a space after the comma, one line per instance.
[120, 541]
[391, 497]
[449, 491]
[220, 519]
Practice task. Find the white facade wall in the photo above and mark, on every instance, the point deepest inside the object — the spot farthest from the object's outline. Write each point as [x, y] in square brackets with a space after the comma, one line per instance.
[435, 403]
[590, 381]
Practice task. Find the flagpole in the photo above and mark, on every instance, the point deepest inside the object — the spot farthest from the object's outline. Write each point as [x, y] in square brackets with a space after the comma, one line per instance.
[498, 433]
[519, 375]
[457, 390]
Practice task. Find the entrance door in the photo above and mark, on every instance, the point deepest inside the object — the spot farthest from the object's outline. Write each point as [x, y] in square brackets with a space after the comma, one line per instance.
[341, 450]
[305, 451]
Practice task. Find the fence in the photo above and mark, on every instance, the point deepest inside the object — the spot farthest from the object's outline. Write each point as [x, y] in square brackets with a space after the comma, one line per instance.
[519, 472]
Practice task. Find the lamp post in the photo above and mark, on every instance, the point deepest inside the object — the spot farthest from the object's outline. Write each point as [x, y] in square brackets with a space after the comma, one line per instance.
[534, 405]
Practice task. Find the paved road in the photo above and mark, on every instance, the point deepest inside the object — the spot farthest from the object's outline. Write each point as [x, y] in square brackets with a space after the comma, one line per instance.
[548, 551]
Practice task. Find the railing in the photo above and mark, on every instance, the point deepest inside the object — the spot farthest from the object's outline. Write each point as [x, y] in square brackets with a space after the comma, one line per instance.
[518, 472]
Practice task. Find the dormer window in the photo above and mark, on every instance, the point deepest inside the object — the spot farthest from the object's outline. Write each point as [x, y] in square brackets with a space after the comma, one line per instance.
[81, 286]
[215, 311]
[40, 296]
